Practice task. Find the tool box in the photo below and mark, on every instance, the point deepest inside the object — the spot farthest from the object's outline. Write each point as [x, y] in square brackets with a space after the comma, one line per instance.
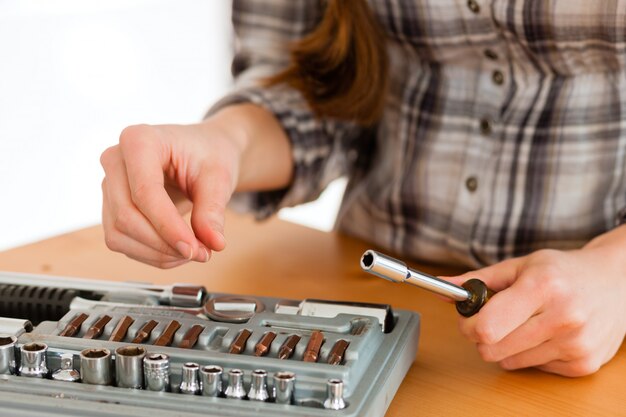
[109, 349]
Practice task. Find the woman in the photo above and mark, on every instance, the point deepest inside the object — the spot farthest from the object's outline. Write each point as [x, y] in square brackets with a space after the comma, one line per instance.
[473, 133]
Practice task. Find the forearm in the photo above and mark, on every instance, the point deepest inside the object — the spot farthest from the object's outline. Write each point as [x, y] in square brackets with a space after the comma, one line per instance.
[266, 161]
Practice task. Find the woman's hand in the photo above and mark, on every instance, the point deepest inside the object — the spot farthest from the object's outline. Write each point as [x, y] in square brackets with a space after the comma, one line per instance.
[562, 312]
[158, 173]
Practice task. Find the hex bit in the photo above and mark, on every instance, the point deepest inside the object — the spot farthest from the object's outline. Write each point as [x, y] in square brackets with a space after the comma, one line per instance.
[165, 339]
[239, 344]
[287, 349]
[191, 337]
[264, 344]
[335, 357]
[97, 328]
[144, 333]
[312, 350]
[74, 325]
[119, 333]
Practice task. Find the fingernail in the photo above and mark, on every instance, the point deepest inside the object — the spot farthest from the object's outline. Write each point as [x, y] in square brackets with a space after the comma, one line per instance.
[206, 256]
[221, 238]
[185, 250]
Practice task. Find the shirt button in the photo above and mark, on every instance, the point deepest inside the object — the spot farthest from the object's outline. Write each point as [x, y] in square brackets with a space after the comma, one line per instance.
[498, 77]
[485, 127]
[491, 54]
[473, 6]
[471, 183]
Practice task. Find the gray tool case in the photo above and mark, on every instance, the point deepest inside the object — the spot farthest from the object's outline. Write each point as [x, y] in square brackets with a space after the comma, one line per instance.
[380, 349]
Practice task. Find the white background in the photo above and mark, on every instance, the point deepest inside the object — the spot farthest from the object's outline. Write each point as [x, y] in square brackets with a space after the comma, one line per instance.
[74, 73]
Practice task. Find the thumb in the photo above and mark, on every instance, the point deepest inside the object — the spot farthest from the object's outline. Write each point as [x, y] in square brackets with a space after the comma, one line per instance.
[211, 194]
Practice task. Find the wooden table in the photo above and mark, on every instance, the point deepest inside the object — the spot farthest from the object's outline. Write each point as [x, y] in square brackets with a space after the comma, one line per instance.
[281, 259]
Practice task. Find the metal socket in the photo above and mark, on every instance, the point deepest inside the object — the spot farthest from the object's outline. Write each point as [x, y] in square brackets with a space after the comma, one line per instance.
[334, 395]
[284, 387]
[211, 380]
[258, 386]
[129, 366]
[7, 354]
[235, 387]
[33, 360]
[95, 366]
[190, 383]
[66, 372]
[156, 370]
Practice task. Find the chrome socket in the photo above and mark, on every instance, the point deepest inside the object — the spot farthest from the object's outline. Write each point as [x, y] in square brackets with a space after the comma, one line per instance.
[156, 370]
[95, 366]
[33, 360]
[258, 386]
[211, 380]
[7, 354]
[334, 395]
[190, 383]
[66, 372]
[129, 366]
[235, 387]
[284, 387]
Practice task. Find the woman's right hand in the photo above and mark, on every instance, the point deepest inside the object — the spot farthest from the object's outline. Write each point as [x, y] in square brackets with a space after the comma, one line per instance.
[156, 174]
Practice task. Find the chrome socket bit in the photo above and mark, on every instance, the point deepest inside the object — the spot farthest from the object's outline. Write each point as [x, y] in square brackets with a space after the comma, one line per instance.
[211, 380]
[284, 387]
[156, 370]
[129, 366]
[258, 386]
[334, 395]
[190, 383]
[95, 366]
[66, 372]
[33, 360]
[7, 354]
[235, 387]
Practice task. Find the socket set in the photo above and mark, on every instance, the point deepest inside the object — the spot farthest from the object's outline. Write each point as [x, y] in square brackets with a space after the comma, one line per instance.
[132, 349]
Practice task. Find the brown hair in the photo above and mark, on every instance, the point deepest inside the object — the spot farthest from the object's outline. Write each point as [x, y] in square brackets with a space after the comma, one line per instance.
[341, 67]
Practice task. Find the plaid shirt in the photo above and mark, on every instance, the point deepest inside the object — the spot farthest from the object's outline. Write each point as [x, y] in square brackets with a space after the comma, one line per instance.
[502, 134]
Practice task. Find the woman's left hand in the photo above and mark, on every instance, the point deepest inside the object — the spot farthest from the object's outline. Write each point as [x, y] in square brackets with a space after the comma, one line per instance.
[562, 312]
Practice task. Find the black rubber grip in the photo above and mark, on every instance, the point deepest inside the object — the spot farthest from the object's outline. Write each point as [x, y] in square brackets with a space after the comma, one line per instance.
[36, 304]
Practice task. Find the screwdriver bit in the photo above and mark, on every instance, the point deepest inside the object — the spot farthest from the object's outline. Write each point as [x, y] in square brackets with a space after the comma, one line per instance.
[469, 298]
[191, 337]
[335, 357]
[239, 344]
[74, 325]
[144, 333]
[165, 339]
[97, 328]
[312, 350]
[287, 349]
[118, 334]
[264, 344]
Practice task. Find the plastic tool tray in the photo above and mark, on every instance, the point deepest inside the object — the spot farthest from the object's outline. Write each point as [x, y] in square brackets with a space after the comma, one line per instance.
[371, 368]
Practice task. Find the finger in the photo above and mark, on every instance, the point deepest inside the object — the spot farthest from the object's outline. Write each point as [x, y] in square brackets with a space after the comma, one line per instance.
[534, 332]
[497, 276]
[210, 194]
[539, 355]
[125, 244]
[145, 162]
[505, 312]
[572, 369]
[123, 216]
